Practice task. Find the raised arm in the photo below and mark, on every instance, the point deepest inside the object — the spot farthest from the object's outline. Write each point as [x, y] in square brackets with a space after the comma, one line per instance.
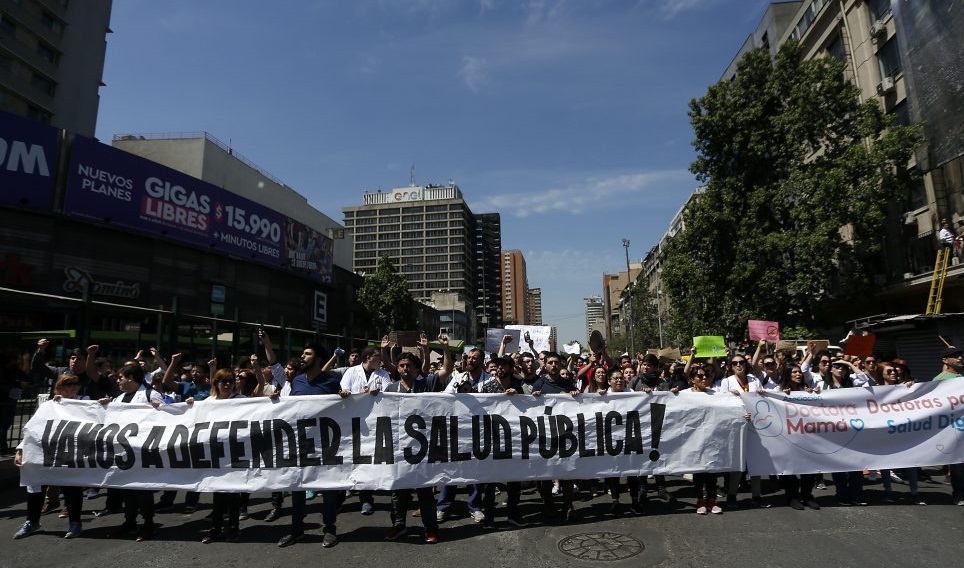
[447, 363]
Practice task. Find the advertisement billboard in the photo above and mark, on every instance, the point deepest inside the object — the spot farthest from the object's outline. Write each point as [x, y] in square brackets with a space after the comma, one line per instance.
[112, 186]
[308, 251]
[28, 162]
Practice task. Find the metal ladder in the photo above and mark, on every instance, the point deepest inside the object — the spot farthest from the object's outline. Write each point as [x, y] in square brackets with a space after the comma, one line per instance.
[937, 282]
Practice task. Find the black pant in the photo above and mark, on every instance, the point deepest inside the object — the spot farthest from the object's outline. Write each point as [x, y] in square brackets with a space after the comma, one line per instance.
[513, 488]
[705, 485]
[138, 501]
[402, 500]
[615, 488]
[799, 487]
[225, 502]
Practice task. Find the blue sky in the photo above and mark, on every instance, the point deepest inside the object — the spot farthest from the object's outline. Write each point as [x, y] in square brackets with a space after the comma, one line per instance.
[567, 117]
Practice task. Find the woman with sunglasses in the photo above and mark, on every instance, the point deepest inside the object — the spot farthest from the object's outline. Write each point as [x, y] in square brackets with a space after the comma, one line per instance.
[798, 488]
[890, 378]
[224, 386]
[742, 381]
[618, 384]
[849, 485]
[704, 483]
[67, 386]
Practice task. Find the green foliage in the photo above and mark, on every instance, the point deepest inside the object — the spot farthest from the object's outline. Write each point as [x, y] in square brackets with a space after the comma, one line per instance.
[644, 328]
[384, 300]
[797, 176]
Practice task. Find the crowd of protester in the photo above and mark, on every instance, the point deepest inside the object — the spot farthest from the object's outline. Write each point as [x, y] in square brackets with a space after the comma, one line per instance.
[149, 378]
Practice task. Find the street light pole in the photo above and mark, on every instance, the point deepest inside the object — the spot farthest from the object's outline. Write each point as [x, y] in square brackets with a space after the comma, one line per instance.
[629, 296]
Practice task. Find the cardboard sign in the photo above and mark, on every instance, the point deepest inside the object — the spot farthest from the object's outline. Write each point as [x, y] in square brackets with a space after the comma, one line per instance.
[405, 338]
[669, 354]
[493, 339]
[860, 345]
[788, 346]
[768, 330]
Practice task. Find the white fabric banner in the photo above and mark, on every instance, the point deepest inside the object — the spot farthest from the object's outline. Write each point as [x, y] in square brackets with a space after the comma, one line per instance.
[880, 427]
[384, 441]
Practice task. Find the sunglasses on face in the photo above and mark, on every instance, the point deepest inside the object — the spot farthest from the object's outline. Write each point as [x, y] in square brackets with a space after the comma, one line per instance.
[839, 366]
[739, 363]
[700, 376]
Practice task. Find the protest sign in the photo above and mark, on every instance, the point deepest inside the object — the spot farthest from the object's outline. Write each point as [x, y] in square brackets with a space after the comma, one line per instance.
[768, 330]
[859, 345]
[539, 334]
[493, 339]
[709, 346]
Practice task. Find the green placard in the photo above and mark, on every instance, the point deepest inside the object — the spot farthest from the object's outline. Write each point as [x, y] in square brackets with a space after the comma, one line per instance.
[710, 346]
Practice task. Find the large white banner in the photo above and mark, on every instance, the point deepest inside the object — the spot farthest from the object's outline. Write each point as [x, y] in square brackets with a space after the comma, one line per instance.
[856, 429]
[383, 441]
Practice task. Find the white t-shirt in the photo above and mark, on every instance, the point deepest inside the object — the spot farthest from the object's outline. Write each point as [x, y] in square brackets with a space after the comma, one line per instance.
[355, 380]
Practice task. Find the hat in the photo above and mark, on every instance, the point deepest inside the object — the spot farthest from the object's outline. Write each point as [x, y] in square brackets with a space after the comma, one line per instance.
[951, 351]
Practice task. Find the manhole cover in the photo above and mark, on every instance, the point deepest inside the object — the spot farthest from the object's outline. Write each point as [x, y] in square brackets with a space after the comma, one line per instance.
[604, 546]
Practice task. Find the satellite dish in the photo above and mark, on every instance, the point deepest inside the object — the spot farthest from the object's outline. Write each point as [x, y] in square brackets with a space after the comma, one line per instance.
[596, 341]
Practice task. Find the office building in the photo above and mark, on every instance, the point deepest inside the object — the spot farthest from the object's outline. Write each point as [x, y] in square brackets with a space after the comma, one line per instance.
[595, 315]
[52, 60]
[488, 246]
[515, 288]
[535, 306]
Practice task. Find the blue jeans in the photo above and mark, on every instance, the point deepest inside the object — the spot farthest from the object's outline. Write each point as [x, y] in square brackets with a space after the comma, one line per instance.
[447, 496]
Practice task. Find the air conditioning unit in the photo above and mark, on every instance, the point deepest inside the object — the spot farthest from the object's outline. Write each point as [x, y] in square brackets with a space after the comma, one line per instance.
[878, 28]
[886, 85]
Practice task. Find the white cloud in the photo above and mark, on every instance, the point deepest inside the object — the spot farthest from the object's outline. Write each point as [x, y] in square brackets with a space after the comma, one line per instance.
[472, 72]
[585, 195]
[671, 8]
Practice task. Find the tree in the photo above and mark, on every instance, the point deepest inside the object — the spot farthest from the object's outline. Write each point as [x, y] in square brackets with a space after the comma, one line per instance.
[797, 176]
[384, 300]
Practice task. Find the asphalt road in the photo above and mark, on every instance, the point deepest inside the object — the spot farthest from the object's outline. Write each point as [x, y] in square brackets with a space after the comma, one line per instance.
[878, 535]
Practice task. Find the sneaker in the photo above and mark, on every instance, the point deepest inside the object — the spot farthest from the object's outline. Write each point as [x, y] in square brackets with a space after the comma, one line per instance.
[488, 525]
[431, 536]
[796, 504]
[477, 516]
[329, 540]
[103, 512]
[844, 503]
[27, 529]
[73, 530]
[309, 495]
[960, 503]
[243, 514]
[441, 516]
[189, 510]
[860, 503]
[233, 535]
[896, 478]
[731, 502]
[760, 502]
[569, 515]
[637, 508]
[63, 514]
[813, 504]
[290, 539]
[92, 493]
[888, 498]
[714, 508]
[616, 509]
[367, 508]
[517, 522]
[555, 489]
[700, 507]
[211, 536]
[916, 499]
[273, 515]
[821, 485]
[662, 494]
[396, 533]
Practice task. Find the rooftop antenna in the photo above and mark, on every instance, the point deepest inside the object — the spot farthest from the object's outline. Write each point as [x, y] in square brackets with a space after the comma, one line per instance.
[411, 178]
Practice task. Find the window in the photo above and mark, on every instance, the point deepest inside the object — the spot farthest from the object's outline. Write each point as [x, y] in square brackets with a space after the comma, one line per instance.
[44, 84]
[889, 58]
[916, 195]
[879, 9]
[836, 49]
[901, 113]
[53, 23]
[7, 26]
[48, 53]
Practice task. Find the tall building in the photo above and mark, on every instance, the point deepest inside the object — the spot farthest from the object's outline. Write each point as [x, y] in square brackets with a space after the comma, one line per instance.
[52, 60]
[614, 287]
[535, 306]
[515, 288]
[595, 316]
[432, 237]
[488, 246]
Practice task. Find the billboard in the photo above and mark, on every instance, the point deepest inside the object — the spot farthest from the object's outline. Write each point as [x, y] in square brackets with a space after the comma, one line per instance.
[308, 251]
[28, 162]
[108, 185]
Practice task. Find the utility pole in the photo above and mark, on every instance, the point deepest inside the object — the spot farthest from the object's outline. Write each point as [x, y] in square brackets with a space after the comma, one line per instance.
[629, 295]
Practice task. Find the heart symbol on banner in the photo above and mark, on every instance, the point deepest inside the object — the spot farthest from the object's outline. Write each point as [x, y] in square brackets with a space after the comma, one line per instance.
[857, 424]
[940, 448]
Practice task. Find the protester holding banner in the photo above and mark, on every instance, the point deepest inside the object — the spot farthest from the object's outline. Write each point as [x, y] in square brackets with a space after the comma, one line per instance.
[552, 382]
[703, 482]
[951, 368]
[314, 381]
[502, 382]
[849, 485]
[134, 390]
[618, 385]
[742, 381]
